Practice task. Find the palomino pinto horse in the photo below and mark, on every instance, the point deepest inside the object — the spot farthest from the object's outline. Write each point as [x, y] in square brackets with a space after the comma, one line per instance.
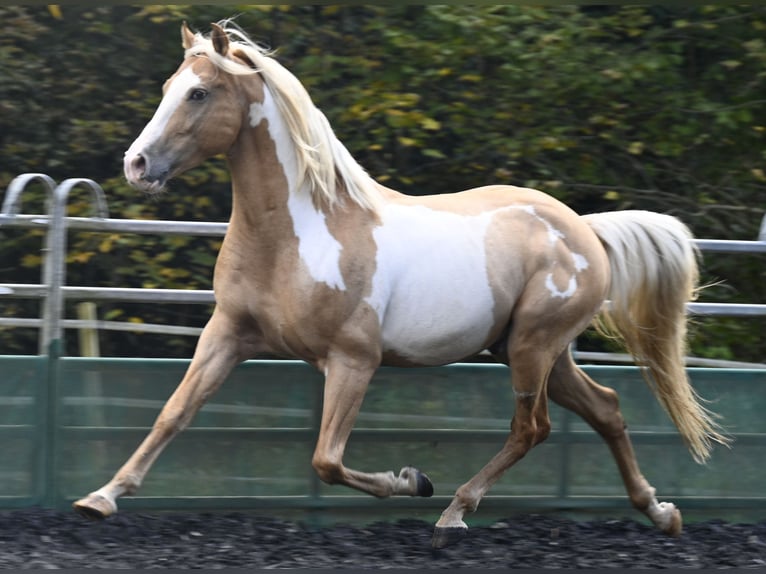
[322, 263]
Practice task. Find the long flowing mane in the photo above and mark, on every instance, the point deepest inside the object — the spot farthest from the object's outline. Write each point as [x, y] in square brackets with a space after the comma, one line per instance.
[323, 161]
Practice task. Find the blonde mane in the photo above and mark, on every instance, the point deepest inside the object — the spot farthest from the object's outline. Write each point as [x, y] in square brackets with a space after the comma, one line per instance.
[323, 161]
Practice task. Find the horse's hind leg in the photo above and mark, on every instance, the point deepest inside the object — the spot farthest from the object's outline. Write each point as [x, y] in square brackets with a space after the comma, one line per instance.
[530, 363]
[570, 387]
[218, 351]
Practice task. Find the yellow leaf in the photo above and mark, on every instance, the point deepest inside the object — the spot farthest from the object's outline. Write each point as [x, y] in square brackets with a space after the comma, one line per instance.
[81, 257]
[106, 244]
[430, 124]
[55, 11]
[407, 142]
[31, 260]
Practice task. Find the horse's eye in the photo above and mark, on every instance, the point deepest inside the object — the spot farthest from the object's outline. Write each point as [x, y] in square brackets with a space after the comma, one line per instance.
[197, 95]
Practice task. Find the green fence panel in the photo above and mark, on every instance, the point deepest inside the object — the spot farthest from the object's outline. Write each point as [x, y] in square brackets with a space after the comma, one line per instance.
[23, 428]
[251, 445]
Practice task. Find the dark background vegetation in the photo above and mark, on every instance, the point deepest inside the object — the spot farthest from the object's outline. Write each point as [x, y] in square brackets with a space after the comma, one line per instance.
[606, 108]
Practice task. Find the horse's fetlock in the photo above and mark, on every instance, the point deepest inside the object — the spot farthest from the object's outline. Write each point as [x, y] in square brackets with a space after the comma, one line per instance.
[643, 499]
[468, 500]
[129, 483]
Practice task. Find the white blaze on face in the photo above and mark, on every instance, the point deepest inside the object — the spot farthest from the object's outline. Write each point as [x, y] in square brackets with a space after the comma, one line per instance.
[317, 248]
[177, 92]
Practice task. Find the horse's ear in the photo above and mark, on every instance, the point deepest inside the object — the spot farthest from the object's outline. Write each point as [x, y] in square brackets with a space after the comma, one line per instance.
[220, 40]
[244, 57]
[187, 36]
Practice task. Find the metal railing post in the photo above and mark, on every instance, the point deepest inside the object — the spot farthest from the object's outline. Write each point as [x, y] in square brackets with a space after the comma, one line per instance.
[11, 208]
[56, 254]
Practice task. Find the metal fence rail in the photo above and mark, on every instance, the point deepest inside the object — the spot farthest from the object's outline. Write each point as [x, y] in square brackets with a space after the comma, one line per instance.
[53, 290]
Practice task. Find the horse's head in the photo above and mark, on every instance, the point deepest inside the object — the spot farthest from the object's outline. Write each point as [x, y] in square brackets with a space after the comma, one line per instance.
[226, 84]
[200, 114]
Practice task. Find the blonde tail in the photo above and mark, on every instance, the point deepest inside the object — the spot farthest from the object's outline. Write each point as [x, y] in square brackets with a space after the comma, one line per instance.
[654, 274]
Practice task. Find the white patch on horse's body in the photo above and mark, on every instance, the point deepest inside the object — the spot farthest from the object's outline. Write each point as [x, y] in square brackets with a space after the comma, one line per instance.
[580, 262]
[318, 249]
[556, 292]
[553, 233]
[431, 288]
[177, 92]
[257, 115]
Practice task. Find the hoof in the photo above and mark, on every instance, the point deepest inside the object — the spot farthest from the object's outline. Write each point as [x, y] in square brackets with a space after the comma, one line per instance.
[416, 483]
[676, 524]
[425, 487]
[447, 536]
[95, 507]
[667, 518]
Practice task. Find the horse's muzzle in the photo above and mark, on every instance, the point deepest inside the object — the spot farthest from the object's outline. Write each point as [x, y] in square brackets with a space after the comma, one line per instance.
[141, 175]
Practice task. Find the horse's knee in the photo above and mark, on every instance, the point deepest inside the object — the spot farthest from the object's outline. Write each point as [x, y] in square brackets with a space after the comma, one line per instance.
[329, 471]
[528, 434]
[170, 422]
[606, 416]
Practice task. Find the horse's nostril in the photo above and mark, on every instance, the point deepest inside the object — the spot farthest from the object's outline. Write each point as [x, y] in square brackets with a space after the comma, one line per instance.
[138, 164]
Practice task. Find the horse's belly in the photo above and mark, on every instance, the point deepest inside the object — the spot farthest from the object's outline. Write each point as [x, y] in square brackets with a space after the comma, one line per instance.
[432, 289]
[445, 330]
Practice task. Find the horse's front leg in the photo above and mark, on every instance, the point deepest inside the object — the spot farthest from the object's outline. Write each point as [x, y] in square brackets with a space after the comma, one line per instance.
[219, 349]
[346, 382]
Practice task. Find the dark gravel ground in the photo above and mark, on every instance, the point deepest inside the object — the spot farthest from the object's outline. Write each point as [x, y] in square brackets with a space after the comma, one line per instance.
[40, 539]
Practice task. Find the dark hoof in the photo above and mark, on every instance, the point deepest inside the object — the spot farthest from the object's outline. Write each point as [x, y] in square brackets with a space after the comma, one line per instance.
[447, 536]
[425, 487]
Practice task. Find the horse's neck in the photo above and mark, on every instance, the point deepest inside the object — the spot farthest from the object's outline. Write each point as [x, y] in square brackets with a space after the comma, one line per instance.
[266, 207]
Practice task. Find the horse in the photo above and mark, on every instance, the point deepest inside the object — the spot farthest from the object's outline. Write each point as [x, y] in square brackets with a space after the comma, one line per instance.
[323, 263]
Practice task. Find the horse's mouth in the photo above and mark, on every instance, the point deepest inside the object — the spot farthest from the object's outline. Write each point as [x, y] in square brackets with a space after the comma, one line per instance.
[149, 185]
[153, 187]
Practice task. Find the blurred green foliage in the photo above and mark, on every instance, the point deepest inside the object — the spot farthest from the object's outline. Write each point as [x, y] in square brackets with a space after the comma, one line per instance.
[604, 107]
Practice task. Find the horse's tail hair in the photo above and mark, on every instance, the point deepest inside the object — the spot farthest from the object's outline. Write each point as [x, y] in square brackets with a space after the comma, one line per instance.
[654, 274]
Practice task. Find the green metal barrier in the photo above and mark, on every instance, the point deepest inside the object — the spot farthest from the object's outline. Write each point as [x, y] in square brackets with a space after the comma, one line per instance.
[67, 424]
